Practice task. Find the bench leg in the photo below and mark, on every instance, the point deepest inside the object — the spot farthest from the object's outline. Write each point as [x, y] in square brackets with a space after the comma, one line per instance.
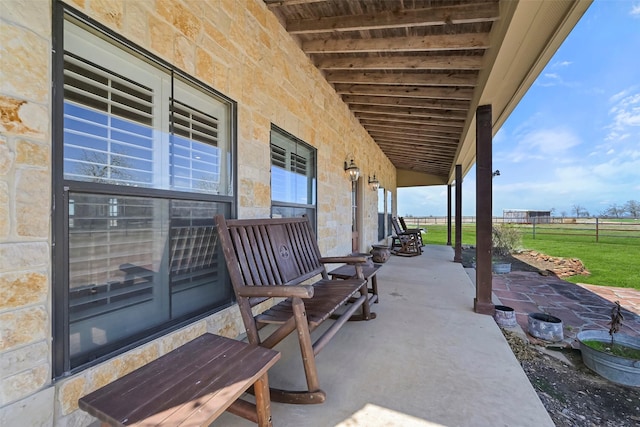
[313, 394]
[374, 287]
[263, 402]
[306, 346]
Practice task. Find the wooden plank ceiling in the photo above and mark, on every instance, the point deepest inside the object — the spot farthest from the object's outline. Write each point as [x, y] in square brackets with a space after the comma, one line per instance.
[408, 69]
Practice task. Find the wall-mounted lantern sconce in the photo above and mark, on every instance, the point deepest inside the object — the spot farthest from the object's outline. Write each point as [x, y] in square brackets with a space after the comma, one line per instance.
[374, 183]
[352, 170]
[496, 173]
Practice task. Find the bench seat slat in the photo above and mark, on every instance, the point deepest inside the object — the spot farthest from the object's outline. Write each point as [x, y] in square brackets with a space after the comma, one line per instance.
[328, 296]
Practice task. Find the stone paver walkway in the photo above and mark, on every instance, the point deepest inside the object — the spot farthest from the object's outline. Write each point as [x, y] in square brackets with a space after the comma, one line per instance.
[580, 307]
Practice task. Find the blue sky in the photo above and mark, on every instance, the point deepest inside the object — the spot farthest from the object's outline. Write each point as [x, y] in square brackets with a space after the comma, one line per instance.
[574, 139]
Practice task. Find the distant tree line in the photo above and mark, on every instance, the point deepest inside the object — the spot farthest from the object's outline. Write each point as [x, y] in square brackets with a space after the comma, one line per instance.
[614, 210]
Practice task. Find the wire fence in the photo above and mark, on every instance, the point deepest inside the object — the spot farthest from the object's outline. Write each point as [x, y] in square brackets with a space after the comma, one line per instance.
[598, 229]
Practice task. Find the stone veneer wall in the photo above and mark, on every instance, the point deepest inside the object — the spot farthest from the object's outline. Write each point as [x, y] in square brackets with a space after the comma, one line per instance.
[235, 46]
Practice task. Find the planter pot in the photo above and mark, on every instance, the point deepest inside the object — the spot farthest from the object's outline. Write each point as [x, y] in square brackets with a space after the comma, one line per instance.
[380, 253]
[502, 267]
[616, 369]
[545, 327]
[505, 316]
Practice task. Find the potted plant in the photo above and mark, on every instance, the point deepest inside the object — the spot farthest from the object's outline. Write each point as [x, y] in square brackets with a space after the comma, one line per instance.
[504, 240]
[612, 355]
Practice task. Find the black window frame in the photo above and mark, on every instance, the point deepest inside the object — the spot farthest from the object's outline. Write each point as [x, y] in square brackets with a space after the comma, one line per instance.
[61, 189]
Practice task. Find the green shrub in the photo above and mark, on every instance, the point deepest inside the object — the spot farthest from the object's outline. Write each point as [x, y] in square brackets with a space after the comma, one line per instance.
[505, 239]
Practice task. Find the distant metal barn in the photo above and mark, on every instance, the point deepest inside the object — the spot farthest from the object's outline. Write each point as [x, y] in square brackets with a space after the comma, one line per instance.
[526, 216]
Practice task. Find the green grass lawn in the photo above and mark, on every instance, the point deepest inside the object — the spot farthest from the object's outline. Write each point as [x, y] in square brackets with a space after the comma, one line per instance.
[612, 261]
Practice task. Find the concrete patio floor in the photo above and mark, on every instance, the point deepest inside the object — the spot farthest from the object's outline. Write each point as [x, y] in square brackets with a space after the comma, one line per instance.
[426, 360]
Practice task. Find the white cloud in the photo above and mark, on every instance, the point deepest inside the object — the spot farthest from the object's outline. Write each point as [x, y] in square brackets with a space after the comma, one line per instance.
[635, 10]
[625, 114]
[544, 144]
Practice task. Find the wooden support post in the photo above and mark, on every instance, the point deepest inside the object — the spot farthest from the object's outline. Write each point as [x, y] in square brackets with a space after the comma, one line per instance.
[458, 249]
[484, 176]
[449, 215]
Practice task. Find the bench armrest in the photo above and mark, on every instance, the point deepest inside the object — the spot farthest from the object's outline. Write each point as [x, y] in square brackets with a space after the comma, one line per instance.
[277, 291]
[344, 260]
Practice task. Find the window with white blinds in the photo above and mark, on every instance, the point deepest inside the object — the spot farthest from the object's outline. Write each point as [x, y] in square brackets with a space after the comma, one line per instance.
[293, 176]
[195, 159]
[129, 123]
[137, 262]
[108, 126]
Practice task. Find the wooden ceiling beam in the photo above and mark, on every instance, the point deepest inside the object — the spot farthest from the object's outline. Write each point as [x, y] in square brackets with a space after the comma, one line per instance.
[395, 62]
[407, 102]
[438, 164]
[432, 43]
[406, 136]
[276, 3]
[418, 146]
[445, 15]
[419, 129]
[442, 93]
[411, 79]
[401, 121]
[409, 112]
[412, 158]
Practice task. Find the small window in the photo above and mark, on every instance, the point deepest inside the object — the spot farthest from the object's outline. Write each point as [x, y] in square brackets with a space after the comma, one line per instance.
[293, 176]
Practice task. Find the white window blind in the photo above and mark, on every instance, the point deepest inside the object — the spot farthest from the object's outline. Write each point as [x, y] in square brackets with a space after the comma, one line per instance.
[108, 126]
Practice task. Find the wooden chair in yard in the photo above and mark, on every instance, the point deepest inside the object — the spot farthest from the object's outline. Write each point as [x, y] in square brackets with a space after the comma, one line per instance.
[406, 242]
[279, 258]
[419, 231]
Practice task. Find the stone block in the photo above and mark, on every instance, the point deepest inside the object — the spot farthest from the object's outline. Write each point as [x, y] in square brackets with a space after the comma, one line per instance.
[24, 358]
[22, 289]
[185, 54]
[69, 392]
[5, 219]
[24, 69]
[7, 156]
[136, 17]
[32, 154]
[33, 411]
[109, 12]
[23, 326]
[183, 336]
[23, 384]
[23, 117]
[205, 68]
[180, 17]
[162, 36]
[32, 219]
[226, 323]
[28, 14]
[23, 256]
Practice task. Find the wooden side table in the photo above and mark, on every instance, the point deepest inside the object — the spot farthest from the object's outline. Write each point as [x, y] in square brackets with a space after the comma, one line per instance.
[191, 385]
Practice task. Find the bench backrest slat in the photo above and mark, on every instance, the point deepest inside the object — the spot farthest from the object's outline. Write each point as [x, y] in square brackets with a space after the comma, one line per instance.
[280, 251]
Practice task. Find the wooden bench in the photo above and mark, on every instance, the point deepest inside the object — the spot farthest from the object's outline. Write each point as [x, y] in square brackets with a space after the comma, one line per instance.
[191, 385]
[272, 258]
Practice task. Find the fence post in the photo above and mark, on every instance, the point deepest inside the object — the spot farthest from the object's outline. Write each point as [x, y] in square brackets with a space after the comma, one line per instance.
[597, 231]
[534, 228]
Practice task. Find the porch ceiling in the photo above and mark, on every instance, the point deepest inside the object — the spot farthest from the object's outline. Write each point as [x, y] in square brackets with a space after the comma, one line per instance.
[414, 71]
